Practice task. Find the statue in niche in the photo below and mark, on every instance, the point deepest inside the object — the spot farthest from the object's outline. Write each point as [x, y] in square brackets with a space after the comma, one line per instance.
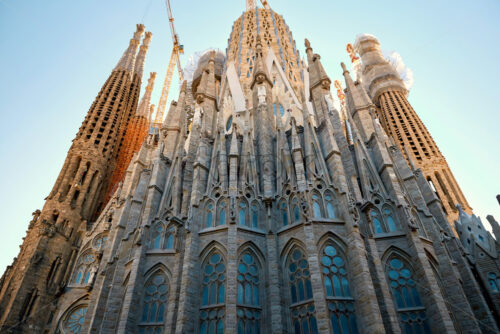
[261, 94]
[329, 102]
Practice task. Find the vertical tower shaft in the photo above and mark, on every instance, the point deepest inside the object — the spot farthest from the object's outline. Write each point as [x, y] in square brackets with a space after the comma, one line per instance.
[47, 254]
[402, 123]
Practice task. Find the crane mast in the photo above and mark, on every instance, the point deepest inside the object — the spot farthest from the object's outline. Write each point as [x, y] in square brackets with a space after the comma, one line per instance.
[174, 60]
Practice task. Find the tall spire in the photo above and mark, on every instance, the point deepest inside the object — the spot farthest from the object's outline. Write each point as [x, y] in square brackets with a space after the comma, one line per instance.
[260, 73]
[141, 55]
[251, 4]
[143, 109]
[128, 58]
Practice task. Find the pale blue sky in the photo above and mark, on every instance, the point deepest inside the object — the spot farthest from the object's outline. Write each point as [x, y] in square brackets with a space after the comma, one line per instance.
[55, 55]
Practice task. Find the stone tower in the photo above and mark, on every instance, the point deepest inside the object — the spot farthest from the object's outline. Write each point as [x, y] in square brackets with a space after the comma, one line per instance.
[259, 216]
[402, 123]
[40, 272]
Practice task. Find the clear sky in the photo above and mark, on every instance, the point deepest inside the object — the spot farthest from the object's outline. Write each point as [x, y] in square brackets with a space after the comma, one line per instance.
[55, 55]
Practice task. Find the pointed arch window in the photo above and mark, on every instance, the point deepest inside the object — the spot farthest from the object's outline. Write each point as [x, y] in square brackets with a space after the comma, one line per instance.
[163, 237]
[255, 216]
[390, 219]
[296, 210]
[229, 123]
[212, 311]
[316, 206]
[85, 268]
[209, 215]
[243, 214]
[100, 241]
[330, 209]
[376, 222]
[222, 214]
[154, 304]
[284, 213]
[282, 110]
[338, 295]
[412, 315]
[248, 295]
[493, 282]
[302, 307]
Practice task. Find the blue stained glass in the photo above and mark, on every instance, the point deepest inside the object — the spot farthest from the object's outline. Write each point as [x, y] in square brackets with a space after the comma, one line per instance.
[336, 286]
[86, 277]
[493, 285]
[305, 325]
[285, 218]
[79, 276]
[274, 109]
[256, 298]
[317, 210]
[296, 213]
[255, 219]
[240, 293]
[248, 294]
[161, 311]
[205, 295]
[344, 323]
[296, 326]
[399, 300]
[314, 325]
[309, 293]
[396, 264]
[220, 327]
[170, 241]
[417, 328]
[406, 297]
[209, 219]
[145, 311]
[242, 217]
[392, 224]
[331, 211]
[330, 250]
[213, 293]
[427, 330]
[301, 290]
[222, 217]
[222, 293]
[416, 297]
[294, 293]
[211, 329]
[203, 327]
[377, 226]
[249, 327]
[241, 327]
[152, 313]
[354, 326]
[345, 287]
[335, 324]
[408, 329]
[282, 110]
[328, 287]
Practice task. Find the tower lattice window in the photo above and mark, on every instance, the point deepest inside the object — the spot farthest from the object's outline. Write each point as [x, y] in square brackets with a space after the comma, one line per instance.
[249, 309]
[154, 304]
[213, 297]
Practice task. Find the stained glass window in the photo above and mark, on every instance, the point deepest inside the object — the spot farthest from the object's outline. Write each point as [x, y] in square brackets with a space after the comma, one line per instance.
[338, 294]
[213, 297]
[302, 308]
[389, 216]
[255, 216]
[209, 220]
[84, 269]
[74, 322]
[162, 238]
[229, 123]
[284, 213]
[316, 206]
[248, 295]
[377, 225]
[154, 303]
[493, 282]
[222, 213]
[411, 311]
[243, 213]
[100, 242]
[330, 210]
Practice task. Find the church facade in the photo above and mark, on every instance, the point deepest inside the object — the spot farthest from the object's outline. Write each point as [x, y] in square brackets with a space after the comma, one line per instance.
[267, 211]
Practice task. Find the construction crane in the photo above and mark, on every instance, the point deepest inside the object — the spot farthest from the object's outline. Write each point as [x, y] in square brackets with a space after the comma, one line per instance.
[174, 60]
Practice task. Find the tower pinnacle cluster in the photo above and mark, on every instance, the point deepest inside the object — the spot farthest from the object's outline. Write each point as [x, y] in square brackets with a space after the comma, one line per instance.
[256, 208]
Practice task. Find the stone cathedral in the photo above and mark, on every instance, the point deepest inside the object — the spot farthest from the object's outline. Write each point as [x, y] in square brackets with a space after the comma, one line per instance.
[256, 207]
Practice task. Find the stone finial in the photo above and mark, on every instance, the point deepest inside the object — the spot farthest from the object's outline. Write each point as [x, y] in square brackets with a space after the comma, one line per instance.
[307, 44]
[147, 38]
[139, 31]
[344, 68]
[151, 111]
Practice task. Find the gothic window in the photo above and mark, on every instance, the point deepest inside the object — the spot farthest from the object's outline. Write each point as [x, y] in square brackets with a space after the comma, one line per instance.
[229, 123]
[338, 295]
[255, 215]
[248, 295]
[284, 213]
[74, 320]
[243, 214]
[162, 238]
[282, 110]
[213, 296]
[412, 315]
[154, 304]
[209, 215]
[377, 224]
[302, 305]
[275, 111]
[330, 209]
[493, 282]
[316, 206]
[84, 269]
[389, 218]
[296, 210]
[100, 241]
[222, 213]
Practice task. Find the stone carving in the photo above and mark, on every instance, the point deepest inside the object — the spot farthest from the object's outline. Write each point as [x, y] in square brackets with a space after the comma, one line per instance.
[409, 217]
[353, 209]
[47, 229]
[36, 215]
[329, 102]
[261, 94]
